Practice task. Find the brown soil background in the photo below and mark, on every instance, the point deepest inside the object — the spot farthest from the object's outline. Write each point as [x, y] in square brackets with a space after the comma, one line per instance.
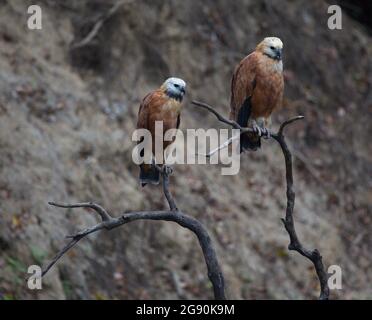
[66, 120]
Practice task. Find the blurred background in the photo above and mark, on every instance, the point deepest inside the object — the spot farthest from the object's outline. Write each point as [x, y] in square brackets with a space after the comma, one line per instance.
[68, 107]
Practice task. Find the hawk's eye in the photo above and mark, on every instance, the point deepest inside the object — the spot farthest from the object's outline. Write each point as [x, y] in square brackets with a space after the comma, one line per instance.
[272, 48]
[177, 85]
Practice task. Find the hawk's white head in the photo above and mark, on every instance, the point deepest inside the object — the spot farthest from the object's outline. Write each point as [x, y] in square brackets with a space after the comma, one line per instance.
[272, 47]
[175, 88]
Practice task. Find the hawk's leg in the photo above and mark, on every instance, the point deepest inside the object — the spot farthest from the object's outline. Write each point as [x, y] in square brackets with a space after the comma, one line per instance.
[256, 128]
[262, 123]
[266, 133]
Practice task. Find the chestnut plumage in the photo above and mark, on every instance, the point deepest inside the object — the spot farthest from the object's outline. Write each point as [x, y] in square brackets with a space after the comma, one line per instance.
[257, 90]
[163, 104]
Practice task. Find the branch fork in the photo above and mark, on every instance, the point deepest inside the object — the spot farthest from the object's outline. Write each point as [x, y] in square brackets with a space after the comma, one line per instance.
[108, 223]
[295, 244]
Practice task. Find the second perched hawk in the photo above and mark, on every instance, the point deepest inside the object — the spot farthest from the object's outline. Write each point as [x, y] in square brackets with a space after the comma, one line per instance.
[257, 90]
[163, 104]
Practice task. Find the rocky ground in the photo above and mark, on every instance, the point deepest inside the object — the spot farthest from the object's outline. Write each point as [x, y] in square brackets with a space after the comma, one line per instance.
[67, 113]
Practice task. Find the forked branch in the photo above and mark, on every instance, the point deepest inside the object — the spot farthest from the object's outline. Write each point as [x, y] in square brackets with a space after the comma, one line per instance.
[108, 223]
[295, 244]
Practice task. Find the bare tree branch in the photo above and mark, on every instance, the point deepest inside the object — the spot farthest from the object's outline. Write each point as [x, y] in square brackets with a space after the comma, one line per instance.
[295, 244]
[98, 25]
[101, 211]
[287, 122]
[108, 223]
[166, 171]
[223, 119]
[220, 147]
[219, 116]
[313, 255]
[214, 271]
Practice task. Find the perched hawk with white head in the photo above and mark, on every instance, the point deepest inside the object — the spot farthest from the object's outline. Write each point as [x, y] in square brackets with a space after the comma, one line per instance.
[163, 104]
[257, 90]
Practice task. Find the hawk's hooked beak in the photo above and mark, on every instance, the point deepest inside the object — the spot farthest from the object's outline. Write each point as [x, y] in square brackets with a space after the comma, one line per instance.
[279, 54]
[183, 90]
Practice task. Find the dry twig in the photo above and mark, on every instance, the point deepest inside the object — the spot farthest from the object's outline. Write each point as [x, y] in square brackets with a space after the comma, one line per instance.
[98, 25]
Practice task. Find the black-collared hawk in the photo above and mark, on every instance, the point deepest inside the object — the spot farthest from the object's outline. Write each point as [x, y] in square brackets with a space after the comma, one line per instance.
[257, 90]
[163, 104]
